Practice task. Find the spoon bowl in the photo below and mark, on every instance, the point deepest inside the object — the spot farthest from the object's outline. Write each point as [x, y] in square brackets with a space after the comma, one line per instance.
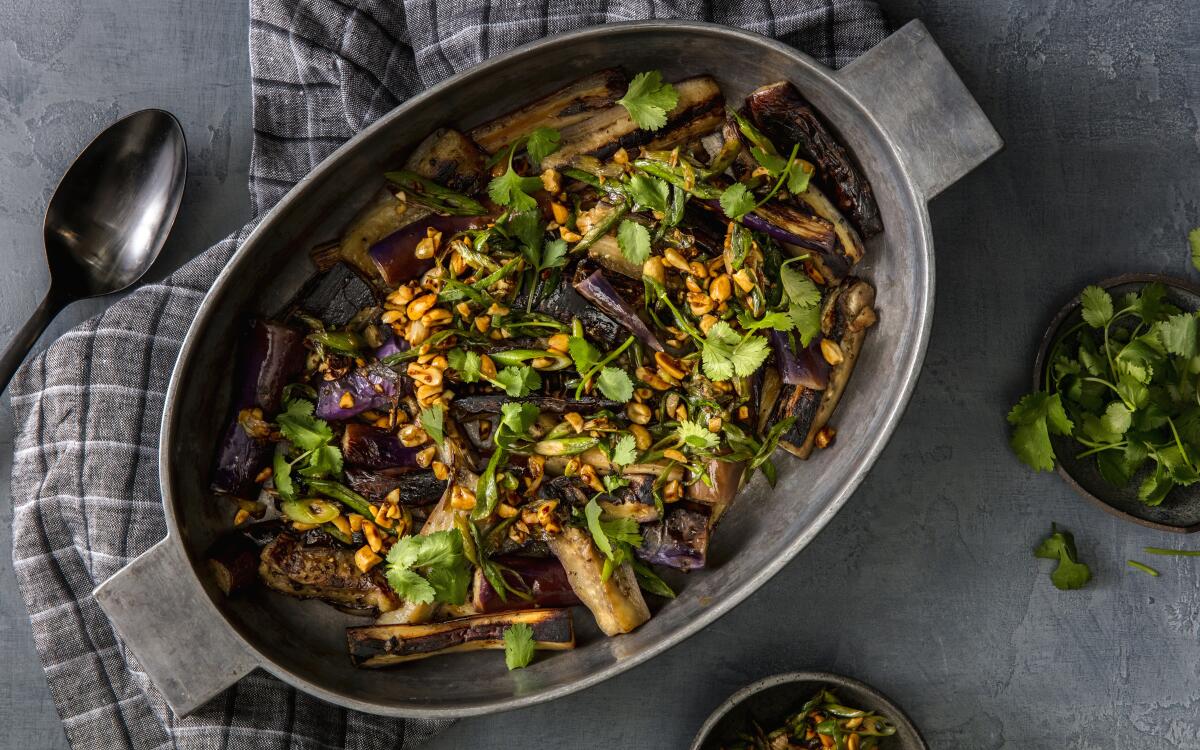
[109, 217]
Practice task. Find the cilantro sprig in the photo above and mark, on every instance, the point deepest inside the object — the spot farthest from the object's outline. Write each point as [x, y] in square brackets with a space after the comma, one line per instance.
[425, 568]
[310, 436]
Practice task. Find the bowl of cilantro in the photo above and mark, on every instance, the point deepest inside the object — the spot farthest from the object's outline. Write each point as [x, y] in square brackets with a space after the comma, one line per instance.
[1116, 400]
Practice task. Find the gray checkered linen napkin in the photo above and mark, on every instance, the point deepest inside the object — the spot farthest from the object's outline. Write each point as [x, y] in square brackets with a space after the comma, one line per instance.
[87, 410]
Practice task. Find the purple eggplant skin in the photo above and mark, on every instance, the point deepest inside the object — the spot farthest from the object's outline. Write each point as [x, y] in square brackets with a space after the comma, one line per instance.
[543, 578]
[416, 487]
[271, 356]
[597, 290]
[680, 540]
[786, 118]
[392, 346]
[374, 386]
[725, 478]
[806, 367]
[373, 448]
[395, 255]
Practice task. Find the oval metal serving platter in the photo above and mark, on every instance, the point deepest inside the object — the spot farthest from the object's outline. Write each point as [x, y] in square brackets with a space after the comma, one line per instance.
[914, 129]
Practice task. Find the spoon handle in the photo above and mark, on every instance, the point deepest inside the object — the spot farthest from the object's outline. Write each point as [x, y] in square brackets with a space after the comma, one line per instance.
[14, 355]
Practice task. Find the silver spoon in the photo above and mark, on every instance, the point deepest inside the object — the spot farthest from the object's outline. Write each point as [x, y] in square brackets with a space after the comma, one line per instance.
[108, 218]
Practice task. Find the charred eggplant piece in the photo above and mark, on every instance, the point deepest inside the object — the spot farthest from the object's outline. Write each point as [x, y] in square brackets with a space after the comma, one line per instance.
[271, 355]
[597, 290]
[384, 645]
[233, 558]
[395, 255]
[560, 301]
[416, 487]
[543, 579]
[616, 603]
[784, 115]
[575, 102]
[724, 481]
[337, 295]
[635, 500]
[373, 448]
[806, 367]
[450, 159]
[327, 573]
[680, 539]
[700, 109]
[845, 317]
[374, 386]
[490, 403]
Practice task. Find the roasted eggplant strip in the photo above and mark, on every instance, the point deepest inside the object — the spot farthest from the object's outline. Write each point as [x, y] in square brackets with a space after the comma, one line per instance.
[617, 602]
[847, 314]
[783, 114]
[575, 102]
[385, 645]
[541, 581]
[328, 573]
[470, 406]
[415, 487]
[450, 159]
[700, 109]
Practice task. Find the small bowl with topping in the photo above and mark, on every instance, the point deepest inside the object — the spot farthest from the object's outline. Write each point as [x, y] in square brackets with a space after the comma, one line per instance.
[808, 710]
[1116, 401]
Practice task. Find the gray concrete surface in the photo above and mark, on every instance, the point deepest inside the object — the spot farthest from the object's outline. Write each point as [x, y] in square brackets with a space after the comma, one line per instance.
[924, 585]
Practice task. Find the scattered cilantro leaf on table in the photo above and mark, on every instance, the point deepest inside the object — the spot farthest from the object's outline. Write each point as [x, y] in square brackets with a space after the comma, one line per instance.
[1033, 418]
[1069, 573]
[1194, 243]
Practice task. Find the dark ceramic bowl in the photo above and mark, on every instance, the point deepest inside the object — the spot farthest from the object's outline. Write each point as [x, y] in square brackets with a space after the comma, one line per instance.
[1180, 511]
[772, 700]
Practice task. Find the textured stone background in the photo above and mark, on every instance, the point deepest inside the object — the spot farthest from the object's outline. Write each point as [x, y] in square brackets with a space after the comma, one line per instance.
[924, 584]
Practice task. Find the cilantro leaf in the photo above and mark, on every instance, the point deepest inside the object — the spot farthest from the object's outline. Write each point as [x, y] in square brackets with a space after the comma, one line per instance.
[518, 381]
[517, 418]
[634, 241]
[649, 192]
[432, 421]
[541, 143]
[1060, 546]
[610, 535]
[798, 287]
[737, 201]
[583, 354]
[554, 254]
[807, 321]
[1194, 242]
[1117, 418]
[281, 474]
[323, 462]
[615, 384]
[591, 514]
[1097, 306]
[298, 425]
[726, 353]
[1033, 418]
[625, 451]
[697, 436]
[466, 363]
[430, 567]
[780, 321]
[1178, 334]
[798, 177]
[512, 190]
[518, 645]
[648, 100]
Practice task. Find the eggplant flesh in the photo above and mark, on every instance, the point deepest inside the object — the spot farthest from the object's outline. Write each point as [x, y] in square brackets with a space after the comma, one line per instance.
[327, 573]
[786, 117]
[725, 479]
[416, 487]
[635, 500]
[700, 109]
[572, 103]
[543, 579]
[845, 317]
[680, 539]
[616, 603]
[384, 645]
